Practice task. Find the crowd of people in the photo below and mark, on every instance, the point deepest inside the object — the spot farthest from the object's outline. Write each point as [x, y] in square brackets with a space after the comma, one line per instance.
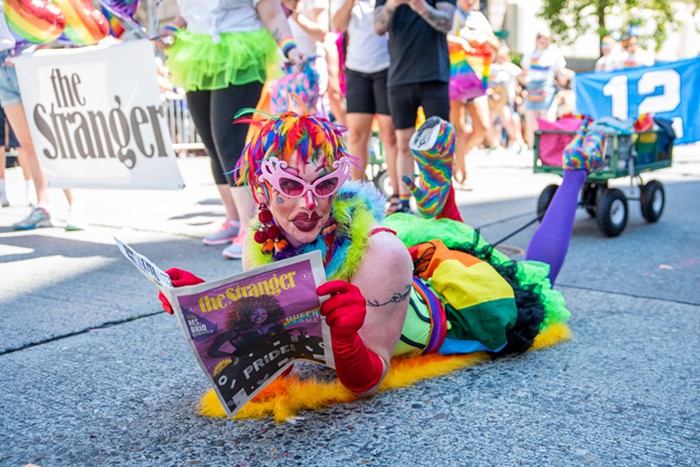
[11, 103]
[369, 78]
[398, 283]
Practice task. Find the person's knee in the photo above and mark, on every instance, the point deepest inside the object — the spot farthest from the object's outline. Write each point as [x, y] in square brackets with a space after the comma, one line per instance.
[479, 129]
[459, 123]
[358, 137]
[403, 138]
[388, 136]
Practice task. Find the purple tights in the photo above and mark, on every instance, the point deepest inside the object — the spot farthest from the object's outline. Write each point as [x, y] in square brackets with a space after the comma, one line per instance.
[550, 241]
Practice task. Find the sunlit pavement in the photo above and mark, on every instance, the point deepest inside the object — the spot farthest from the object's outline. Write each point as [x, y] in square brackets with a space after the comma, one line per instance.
[95, 374]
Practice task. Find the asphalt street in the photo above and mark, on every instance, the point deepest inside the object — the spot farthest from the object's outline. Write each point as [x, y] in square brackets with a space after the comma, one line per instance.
[94, 373]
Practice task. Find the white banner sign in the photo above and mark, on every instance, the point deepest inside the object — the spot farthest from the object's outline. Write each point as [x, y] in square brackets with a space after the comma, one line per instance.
[96, 117]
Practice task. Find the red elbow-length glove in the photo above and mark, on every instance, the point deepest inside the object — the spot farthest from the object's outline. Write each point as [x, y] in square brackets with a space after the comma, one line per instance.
[179, 278]
[358, 368]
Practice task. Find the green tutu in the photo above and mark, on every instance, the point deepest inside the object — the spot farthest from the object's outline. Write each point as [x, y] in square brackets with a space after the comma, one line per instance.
[196, 63]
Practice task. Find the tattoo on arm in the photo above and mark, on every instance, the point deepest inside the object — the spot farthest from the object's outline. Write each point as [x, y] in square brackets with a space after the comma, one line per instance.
[277, 35]
[438, 19]
[382, 19]
[398, 297]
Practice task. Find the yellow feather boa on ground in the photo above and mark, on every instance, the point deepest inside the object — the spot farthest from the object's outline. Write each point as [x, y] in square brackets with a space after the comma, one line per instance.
[286, 397]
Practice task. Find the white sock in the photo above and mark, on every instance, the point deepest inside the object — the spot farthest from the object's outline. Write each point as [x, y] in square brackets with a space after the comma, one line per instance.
[29, 191]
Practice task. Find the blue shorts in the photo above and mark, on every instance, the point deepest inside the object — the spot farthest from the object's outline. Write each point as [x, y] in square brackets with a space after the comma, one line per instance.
[7, 140]
[9, 87]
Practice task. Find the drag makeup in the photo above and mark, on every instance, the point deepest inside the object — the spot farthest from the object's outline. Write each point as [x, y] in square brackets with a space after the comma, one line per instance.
[303, 194]
[294, 166]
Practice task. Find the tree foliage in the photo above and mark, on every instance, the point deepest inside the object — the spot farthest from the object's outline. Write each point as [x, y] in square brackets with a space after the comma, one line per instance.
[569, 19]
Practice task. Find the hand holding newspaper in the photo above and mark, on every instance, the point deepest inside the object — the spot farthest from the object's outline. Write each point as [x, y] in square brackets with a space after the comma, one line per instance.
[246, 329]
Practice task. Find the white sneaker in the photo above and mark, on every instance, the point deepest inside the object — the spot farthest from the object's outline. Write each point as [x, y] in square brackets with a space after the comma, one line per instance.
[3, 201]
[76, 221]
[517, 148]
[235, 249]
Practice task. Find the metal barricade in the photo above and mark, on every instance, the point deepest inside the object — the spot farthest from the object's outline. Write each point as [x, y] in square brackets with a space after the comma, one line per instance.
[183, 133]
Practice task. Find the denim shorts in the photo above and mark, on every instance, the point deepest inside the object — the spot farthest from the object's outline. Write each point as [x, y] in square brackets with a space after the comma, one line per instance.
[9, 87]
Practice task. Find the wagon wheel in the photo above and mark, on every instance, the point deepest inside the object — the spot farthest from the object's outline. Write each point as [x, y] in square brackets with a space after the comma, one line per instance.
[383, 182]
[611, 214]
[545, 198]
[652, 200]
[588, 197]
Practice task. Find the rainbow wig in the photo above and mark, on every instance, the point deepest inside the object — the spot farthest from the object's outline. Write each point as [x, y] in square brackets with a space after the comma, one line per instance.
[280, 136]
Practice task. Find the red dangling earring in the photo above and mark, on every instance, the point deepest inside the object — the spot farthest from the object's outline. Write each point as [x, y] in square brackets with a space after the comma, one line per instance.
[269, 235]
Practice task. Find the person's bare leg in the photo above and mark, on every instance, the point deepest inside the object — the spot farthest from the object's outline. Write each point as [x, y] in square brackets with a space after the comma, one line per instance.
[76, 217]
[69, 196]
[405, 165]
[336, 100]
[29, 190]
[244, 204]
[531, 126]
[518, 127]
[493, 137]
[2, 162]
[18, 119]
[359, 131]
[3, 188]
[457, 118]
[227, 200]
[506, 115]
[23, 165]
[479, 113]
[387, 134]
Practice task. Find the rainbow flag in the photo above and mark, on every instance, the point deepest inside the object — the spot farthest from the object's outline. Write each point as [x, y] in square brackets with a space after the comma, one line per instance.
[469, 70]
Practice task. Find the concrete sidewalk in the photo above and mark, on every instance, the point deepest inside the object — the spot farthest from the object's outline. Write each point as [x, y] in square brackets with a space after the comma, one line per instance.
[95, 374]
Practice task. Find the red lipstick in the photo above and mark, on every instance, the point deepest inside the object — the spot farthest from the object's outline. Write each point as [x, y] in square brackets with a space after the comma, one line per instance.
[306, 222]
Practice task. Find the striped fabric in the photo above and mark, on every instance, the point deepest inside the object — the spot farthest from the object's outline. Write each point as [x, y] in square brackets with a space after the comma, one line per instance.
[434, 159]
[585, 151]
[479, 303]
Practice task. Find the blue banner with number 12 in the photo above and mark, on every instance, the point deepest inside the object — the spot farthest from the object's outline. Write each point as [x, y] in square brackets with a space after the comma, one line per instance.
[668, 90]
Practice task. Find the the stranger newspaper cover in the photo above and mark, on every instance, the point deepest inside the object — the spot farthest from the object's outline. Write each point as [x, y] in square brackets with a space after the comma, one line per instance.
[247, 329]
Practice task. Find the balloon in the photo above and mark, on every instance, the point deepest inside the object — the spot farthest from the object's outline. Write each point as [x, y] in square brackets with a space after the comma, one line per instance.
[115, 27]
[124, 11]
[122, 8]
[84, 24]
[35, 21]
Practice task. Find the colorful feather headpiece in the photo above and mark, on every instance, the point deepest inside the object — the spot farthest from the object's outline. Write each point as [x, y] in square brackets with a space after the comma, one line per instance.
[281, 135]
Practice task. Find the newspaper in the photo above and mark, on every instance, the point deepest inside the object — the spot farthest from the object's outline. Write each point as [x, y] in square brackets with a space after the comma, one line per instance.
[247, 329]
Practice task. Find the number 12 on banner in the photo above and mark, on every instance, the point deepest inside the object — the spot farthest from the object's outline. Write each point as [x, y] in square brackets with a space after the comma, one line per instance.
[652, 102]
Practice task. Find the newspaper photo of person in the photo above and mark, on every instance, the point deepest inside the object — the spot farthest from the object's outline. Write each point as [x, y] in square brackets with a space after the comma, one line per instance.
[251, 321]
[260, 342]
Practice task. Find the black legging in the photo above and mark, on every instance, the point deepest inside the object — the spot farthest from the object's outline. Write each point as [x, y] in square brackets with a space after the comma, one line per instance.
[213, 113]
